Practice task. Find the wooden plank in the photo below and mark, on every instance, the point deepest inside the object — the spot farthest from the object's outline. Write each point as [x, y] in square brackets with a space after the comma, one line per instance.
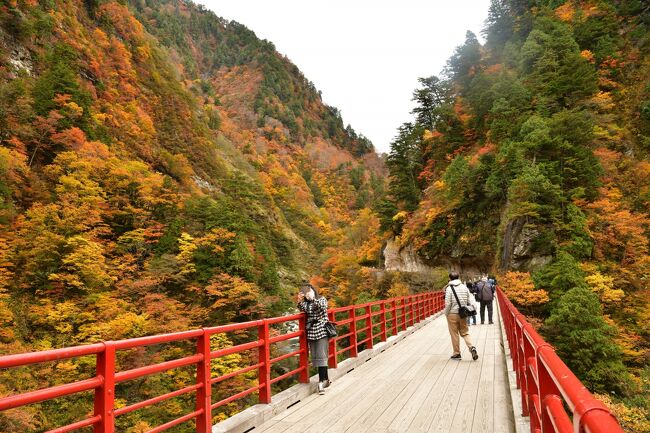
[483, 420]
[413, 388]
[464, 414]
[503, 412]
[341, 387]
[443, 415]
[376, 408]
[338, 406]
[503, 415]
[430, 384]
[387, 417]
[284, 427]
[397, 377]
[343, 384]
[427, 410]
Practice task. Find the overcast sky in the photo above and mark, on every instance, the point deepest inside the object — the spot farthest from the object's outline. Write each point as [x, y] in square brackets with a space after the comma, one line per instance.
[365, 56]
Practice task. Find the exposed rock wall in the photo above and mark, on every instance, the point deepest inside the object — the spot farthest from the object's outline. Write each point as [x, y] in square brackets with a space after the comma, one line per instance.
[403, 260]
[517, 252]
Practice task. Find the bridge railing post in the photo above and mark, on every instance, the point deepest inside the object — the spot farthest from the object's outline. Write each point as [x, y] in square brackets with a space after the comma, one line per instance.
[404, 314]
[521, 367]
[383, 321]
[105, 394]
[415, 300]
[393, 308]
[369, 334]
[264, 371]
[547, 390]
[532, 390]
[423, 306]
[353, 330]
[412, 309]
[303, 358]
[333, 359]
[203, 378]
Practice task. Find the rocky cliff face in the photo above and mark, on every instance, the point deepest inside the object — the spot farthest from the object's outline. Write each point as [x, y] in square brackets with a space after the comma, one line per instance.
[518, 251]
[403, 259]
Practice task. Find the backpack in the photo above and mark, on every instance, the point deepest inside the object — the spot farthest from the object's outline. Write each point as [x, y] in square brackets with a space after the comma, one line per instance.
[485, 291]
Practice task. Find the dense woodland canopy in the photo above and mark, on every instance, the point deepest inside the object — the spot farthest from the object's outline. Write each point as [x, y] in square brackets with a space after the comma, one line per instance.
[528, 156]
[164, 169]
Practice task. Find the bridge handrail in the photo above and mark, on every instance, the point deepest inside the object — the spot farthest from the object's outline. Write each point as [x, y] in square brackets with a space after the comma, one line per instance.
[546, 383]
[403, 311]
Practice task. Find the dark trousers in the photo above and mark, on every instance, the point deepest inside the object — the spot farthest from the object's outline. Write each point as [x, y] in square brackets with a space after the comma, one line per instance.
[487, 304]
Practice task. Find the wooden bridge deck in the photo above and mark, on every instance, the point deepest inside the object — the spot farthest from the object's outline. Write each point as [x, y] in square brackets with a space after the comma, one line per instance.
[415, 388]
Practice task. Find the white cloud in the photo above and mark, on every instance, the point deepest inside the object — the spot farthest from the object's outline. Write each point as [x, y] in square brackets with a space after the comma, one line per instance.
[365, 56]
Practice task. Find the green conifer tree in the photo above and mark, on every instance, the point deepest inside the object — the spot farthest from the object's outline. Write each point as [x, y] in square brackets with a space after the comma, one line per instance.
[585, 343]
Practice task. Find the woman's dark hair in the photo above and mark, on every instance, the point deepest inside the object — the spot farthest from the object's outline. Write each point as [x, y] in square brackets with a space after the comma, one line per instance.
[453, 275]
[305, 287]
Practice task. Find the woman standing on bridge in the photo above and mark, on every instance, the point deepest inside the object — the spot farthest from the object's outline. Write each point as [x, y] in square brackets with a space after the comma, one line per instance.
[315, 307]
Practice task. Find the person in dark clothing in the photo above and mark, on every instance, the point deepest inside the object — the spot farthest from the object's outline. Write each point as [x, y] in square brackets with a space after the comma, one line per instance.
[315, 307]
[485, 295]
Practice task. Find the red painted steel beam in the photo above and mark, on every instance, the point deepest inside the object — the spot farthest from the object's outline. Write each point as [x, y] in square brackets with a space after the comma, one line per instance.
[9, 361]
[175, 422]
[235, 397]
[554, 410]
[548, 373]
[235, 373]
[411, 308]
[286, 355]
[285, 375]
[284, 337]
[588, 413]
[157, 339]
[155, 400]
[105, 394]
[236, 349]
[232, 327]
[49, 393]
[148, 370]
[282, 319]
[77, 425]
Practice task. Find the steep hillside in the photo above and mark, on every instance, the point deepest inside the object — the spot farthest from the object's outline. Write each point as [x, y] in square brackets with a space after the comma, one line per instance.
[529, 156]
[162, 169]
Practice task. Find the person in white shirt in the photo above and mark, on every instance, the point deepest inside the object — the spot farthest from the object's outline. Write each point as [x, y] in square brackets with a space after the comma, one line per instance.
[457, 325]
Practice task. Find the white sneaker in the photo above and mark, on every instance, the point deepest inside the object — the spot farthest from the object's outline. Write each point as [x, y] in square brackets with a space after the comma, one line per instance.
[321, 388]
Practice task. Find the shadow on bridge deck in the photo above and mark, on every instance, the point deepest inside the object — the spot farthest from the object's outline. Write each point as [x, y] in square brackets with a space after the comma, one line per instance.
[413, 387]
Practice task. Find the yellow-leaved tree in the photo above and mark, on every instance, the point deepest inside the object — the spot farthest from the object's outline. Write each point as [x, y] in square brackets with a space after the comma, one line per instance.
[605, 288]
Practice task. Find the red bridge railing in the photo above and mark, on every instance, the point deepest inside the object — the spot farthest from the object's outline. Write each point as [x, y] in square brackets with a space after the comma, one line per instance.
[547, 384]
[379, 320]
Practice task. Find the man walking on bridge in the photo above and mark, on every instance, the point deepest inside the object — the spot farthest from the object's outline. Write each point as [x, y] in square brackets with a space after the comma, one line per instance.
[456, 295]
[485, 294]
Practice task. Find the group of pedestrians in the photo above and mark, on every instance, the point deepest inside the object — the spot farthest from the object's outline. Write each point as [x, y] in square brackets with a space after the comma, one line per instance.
[460, 307]
[483, 293]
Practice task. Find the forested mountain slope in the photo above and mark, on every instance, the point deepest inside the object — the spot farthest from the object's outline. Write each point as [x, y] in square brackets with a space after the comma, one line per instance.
[529, 155]
[162, 169]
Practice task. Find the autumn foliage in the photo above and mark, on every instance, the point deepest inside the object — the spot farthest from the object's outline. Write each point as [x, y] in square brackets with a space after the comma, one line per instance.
[528, 156]
[162, 169]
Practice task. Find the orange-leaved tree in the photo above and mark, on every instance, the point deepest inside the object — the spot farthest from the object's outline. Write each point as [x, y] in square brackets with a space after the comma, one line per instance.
[520, 289]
